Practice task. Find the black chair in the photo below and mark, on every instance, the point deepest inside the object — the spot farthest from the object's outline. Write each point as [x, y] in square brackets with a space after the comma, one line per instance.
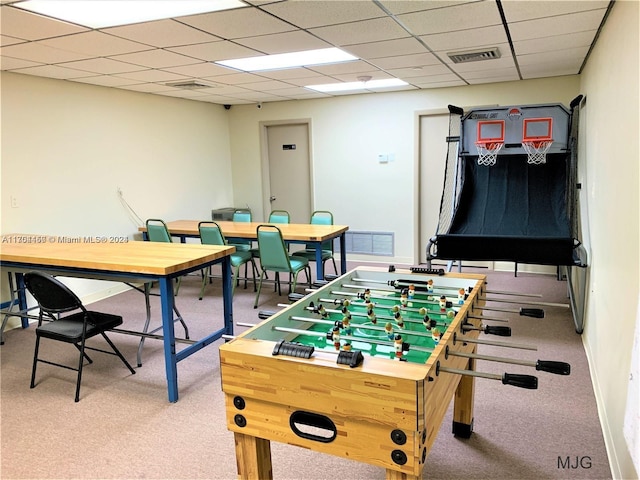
[55, 298]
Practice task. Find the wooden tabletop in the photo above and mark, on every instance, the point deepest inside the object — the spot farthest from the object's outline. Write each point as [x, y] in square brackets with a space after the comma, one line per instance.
[290, 231]
[99, 253]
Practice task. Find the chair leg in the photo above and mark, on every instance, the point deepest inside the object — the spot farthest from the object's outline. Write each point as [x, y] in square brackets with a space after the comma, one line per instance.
[117, 352]
[80, 365]
[255, 305]
[253, 273]
[145, 329]
[35, 362]
[205, 276]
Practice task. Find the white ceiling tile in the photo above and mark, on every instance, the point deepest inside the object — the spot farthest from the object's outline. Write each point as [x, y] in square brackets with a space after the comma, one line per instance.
[398, 7]
[519, 10]
[459, 17]
[239, 78]
[6, 40]
[213, 51]
[550, 26]
[387, 48]
[162, 33]
[265, 86]
[30, 26]
[375, 75]
[467, 39]
[284, 42]
[105, 81]
[239, 23]
[95, 43]
[9, 63]
[494, 72]
[404, 61]
[53, 71]
[202, 69]
[361, 32]
[36, 52]
[445, 84]
[545, 44]
[103, 65]
[321, 13]
[152, 76]
[411, 72]
[567, 55]
[444, 77]
[156, 59]
[491, 79]
[356, 66]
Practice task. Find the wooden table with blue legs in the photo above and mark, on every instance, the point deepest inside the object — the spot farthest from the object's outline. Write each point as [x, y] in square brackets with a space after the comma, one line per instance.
[131, 261]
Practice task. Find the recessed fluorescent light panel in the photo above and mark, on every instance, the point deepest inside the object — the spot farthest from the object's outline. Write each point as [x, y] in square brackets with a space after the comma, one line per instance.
[109, 13]
[289, 60]
[345, 87]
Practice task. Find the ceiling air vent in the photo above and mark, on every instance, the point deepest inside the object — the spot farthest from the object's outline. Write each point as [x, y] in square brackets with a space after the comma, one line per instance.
[474, 55]
[189, 85]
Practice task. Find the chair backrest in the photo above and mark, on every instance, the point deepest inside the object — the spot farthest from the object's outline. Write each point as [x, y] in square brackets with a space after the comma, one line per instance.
[279, 216]
[241, 215]
[157, 231]
[210, 233]
[52, 295]
[322, 217]
[273, 252]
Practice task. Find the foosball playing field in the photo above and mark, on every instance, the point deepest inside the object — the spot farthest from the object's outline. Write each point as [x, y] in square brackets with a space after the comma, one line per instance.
[363, 368]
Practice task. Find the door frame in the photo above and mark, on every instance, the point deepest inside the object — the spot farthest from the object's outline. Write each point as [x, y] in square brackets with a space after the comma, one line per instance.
[266, 167]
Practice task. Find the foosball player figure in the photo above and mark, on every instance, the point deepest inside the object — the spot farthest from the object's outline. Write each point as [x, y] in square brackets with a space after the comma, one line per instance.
[404, 297]
[389, 329]
[371, 315]
[335, 335]
[347, 346]
[411, 293]
[423, 311]
[346, 324]
[461, 296]
[399, 320]
[428, 323]
[436, 334]
[367, 295]
[443, 303]
[397, 345]
[430, 289]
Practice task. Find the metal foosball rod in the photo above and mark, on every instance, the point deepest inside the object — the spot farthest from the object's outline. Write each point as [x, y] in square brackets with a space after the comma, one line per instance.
[550, 366]
[425, 318]
[489, 329]
[517, 380]
[494, 343]
[406, 282]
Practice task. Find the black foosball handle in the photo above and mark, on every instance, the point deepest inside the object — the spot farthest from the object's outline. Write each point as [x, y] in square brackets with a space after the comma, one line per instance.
[294, 297]
[264, 314]
[532, 312]
[497, 330]
[521, 381]
[558, 368]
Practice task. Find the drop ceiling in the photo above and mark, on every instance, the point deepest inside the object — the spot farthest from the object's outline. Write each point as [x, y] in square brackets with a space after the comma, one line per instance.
[409, 40]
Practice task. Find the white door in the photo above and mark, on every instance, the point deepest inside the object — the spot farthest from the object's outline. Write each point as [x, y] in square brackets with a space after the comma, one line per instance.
[289, 169]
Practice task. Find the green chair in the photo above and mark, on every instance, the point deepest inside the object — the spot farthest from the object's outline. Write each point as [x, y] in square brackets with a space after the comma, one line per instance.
[210, 234]
[274, 257]
[276, 216]
[157, 231]
[319, 217]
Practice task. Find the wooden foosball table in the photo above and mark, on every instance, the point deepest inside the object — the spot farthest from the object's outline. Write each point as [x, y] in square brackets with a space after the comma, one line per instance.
[363, 368]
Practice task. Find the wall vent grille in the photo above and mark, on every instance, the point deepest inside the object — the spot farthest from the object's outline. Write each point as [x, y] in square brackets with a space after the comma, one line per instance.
[189, 85]
[368, 243]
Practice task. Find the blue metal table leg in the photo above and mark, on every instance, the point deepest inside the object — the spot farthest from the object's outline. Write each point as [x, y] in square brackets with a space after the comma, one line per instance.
[166, 302]
[343, 253]
[319, 264]
[227, 295]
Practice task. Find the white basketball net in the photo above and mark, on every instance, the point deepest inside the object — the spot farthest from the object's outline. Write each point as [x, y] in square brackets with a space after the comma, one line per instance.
[537, 151]
[488, 153]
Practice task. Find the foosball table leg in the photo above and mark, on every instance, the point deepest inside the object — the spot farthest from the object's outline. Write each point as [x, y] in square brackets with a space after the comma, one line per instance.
[395, 475]
[463, 405]
[253, 457]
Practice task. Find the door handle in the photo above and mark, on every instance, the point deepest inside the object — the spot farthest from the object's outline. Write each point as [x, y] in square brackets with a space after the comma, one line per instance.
[272, 198]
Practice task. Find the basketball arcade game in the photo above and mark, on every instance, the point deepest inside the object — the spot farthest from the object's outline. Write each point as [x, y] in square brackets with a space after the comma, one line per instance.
[364, 368]
[510, 190]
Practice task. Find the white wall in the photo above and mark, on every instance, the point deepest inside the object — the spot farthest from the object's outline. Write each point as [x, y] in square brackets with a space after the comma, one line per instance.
[349, 132]
[611, 184]
[67, 147]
